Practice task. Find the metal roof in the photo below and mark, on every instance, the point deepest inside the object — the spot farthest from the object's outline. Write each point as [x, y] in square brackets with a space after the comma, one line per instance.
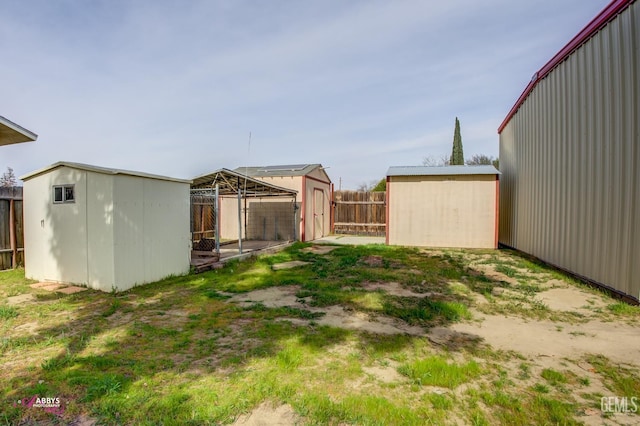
[441, 170]
[11, 132]
[279, 170]
[607, 14]
[96, 169]
[230, 181]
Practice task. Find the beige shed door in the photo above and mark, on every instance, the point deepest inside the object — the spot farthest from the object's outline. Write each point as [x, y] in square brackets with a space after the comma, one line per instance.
[318, 213]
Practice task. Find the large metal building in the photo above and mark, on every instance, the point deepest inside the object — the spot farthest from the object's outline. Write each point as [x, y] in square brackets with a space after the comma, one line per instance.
[570, 156]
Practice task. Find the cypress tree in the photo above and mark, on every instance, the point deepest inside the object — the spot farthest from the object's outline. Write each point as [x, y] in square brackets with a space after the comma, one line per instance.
[457, 156]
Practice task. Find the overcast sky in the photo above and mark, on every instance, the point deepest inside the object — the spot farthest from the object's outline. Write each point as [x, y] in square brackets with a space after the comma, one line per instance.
[175, 87]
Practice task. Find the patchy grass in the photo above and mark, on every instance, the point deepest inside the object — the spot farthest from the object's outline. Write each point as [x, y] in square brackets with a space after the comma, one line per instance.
[179, 352]
[437, 371]
[621, 380]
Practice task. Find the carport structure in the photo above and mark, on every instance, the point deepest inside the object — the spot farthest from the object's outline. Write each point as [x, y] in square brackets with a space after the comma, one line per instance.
[207, 193]
[11, 133]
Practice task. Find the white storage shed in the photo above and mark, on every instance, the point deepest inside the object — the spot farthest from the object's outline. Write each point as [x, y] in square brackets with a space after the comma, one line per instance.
[104, 228]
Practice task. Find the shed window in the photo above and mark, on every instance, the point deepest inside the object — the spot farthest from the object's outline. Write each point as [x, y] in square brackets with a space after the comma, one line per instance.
[63, 194]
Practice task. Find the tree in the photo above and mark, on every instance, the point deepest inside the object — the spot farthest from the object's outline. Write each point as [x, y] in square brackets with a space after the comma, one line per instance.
[365, 187]
[481, 159]
[431, 161]
[8, 179]
[457, 156]
[381, 186]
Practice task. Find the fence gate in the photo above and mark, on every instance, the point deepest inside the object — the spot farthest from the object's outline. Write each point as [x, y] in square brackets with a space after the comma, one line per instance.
[359, 213]
[203, 219]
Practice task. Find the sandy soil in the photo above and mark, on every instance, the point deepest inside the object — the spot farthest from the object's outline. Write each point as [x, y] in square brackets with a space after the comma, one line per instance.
[267, 415]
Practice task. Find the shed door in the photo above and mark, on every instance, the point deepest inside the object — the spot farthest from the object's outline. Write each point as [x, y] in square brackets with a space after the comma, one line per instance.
[318, 213]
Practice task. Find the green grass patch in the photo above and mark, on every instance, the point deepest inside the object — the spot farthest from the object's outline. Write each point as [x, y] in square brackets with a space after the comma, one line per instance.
[436, 371]
[553, 377]
[624, 309]
[622, 381]
[8, 312]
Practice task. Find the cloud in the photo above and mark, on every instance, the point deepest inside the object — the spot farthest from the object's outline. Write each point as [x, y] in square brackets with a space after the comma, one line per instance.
[174, 88]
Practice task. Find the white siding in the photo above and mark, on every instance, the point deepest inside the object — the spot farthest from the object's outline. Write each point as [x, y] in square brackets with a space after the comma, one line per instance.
[121, 231]
[56, 234]
[99, 202]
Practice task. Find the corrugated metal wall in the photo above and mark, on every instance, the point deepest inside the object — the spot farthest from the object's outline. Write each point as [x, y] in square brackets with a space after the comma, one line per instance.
[570, 162]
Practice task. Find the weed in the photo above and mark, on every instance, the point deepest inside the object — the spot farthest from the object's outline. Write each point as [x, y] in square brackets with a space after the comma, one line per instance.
[525, 371]
[8, 312]
[540, 388]
[553, 377]
[113, 307]
[107, 384]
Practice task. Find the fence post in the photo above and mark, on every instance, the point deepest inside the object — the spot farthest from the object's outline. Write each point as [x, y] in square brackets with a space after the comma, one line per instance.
[12, 234]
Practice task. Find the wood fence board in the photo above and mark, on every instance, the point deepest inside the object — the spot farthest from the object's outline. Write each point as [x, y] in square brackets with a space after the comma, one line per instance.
[360, 213]
[6, 254]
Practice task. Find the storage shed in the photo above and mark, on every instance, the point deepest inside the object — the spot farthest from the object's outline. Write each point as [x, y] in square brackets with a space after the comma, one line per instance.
[447, 206]
[570, 156]
[314, 189]
[104, 228]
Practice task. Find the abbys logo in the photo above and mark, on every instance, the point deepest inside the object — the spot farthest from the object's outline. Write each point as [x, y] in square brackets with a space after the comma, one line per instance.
[51, 405]
[46, 402]
[615, 404]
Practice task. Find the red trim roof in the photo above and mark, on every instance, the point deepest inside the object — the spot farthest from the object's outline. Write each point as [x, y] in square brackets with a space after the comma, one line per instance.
[596, 24]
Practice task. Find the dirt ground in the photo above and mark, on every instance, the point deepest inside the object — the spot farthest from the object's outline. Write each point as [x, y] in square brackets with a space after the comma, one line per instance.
[544, 343]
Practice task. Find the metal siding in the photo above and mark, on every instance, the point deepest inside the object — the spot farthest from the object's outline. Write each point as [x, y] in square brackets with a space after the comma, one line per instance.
[167, 233]
[152, 230]
[570, 185]
[129, 232]
[443, 211]
[56, 234]
[100, 261]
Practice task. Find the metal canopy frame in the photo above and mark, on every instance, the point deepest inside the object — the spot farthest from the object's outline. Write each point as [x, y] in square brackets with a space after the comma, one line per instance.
[227, 182]
[231, 183]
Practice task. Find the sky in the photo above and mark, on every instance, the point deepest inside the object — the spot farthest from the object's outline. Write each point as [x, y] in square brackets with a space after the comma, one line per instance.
[185, 87]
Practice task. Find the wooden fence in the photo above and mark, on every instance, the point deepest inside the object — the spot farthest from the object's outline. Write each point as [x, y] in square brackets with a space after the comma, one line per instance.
[359, 213]
[11, 228]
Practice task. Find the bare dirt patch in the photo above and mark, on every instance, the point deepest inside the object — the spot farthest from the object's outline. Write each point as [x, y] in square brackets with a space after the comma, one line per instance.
[20, 299]
[384, 374]
[491, 273]
[289, 265]
[569, 299]
[552, 340]
[335, 316]
[394, 289]
[266, 415]
[31, 328]
[272, 297]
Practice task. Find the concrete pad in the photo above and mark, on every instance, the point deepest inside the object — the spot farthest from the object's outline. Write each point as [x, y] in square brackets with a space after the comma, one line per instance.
[41, 284]
[354, 240]
[289, 265]
[20, 299]
[71, 289]
[52, 287]
[324, 249]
